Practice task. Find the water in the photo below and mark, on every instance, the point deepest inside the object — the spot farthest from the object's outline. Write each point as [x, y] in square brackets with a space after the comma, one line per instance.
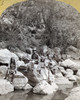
[22, 95]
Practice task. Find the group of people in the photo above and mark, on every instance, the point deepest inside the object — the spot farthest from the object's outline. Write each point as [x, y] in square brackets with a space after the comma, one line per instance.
[45, 60]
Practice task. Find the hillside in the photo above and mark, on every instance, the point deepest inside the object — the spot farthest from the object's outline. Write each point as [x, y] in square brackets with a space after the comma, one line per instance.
[36, 23]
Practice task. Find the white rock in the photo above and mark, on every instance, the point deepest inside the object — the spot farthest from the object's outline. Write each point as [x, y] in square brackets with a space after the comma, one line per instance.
[63, 83]
[45, 49]
[74, 94]
[74, 90]
[5, 87]
[47, 75]
[44, 88]
[5, 56]
[20, 63]
[58, 75]
[36, 75]
[71, 77]
[28, 87]
[62, 70]
[23, 55]
[46, 62]
[69, 71]
[3, 69]
[71, 64]
[19, 81]
[78, 73]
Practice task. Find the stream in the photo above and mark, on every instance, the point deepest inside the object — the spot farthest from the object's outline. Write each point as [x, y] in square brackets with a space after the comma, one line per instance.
[22, 95]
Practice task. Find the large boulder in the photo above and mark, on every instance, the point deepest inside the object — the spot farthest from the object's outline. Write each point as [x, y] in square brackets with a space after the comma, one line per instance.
[36, 75]
[62, 82]
[3, 70]
[24, 56]
[5, 87]
[44, 88]
[6, 55]
[19, 81]
[70, 64]
[74, 94]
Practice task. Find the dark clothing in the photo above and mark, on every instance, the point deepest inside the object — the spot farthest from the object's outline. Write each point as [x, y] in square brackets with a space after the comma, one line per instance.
[35, 56]
[11, 70]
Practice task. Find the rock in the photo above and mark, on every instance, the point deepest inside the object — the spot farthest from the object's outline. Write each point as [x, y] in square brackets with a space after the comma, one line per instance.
[69, 71]
[57, 50]
[47, 61]
[58, 74]
[77, 80]
[74, 94]
[3, 69]
[28, 87]
[36, 74]
[44, 88]
[20, 63]
[1, 75]
[74, 90]
[78, 73]
[63, 71]
[73, 52]
[22, 55]
[71, 77]
[22, 69]
[70, 64]
[19, 81]
[64, 56]
[63, 82]
[5, 56]
[72, 49]
[5, 87]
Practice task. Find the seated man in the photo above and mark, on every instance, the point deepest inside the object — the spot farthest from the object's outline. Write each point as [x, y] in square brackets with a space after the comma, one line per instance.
[11, 70]
[35, 55]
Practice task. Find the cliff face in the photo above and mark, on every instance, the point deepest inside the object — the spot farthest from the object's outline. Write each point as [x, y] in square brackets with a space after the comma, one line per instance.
[35, 23]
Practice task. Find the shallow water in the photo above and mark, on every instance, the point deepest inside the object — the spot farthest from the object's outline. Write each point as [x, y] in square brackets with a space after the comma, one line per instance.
[21, 95]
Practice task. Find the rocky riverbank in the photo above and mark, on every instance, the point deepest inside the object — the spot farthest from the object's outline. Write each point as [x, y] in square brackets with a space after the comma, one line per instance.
[42, 73]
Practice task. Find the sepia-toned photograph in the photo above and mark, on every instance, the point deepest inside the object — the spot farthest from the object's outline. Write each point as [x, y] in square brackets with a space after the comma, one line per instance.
[39, 51]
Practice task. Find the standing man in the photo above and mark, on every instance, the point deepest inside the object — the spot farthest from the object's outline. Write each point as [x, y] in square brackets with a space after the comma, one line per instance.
[11, 70]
